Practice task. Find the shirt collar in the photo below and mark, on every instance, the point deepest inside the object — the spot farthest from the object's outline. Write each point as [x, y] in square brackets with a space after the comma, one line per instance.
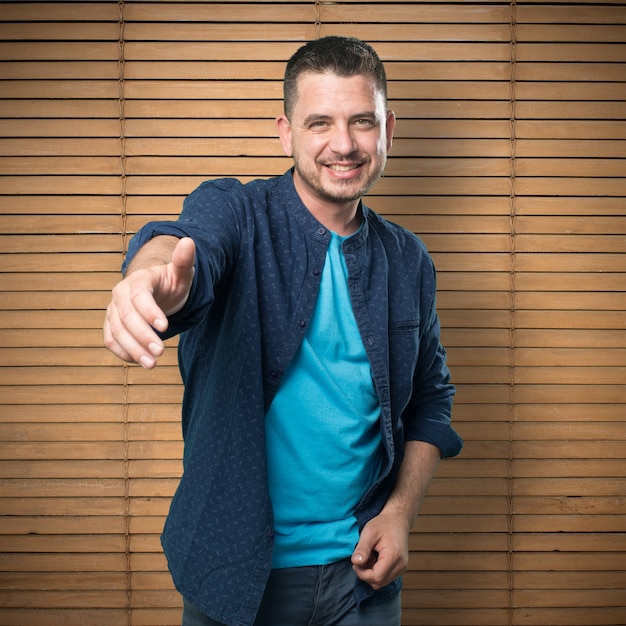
[297, 208]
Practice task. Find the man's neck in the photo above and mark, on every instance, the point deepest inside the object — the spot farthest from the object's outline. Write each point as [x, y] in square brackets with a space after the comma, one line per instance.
[341, 218]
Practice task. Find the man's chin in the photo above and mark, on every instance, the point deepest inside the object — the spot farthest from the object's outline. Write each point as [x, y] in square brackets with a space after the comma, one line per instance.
[343, 196]
[338, 191]
[345, 191]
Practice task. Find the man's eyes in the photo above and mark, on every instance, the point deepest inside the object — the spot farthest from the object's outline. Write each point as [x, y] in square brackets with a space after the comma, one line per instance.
[362, 122]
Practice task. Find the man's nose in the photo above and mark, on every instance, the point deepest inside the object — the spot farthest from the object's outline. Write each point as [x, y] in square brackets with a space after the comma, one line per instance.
[342, 140]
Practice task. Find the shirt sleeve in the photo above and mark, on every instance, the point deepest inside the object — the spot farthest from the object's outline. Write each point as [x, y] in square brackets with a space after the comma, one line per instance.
[212, 220]
[428, 414]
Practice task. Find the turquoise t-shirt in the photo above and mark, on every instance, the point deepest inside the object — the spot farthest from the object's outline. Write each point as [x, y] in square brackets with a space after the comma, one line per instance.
[323, 441]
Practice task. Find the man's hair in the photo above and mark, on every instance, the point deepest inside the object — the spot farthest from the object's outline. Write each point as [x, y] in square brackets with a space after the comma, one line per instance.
[343, 56]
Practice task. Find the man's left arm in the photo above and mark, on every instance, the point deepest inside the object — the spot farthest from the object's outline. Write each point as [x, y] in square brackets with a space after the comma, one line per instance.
[382, 553]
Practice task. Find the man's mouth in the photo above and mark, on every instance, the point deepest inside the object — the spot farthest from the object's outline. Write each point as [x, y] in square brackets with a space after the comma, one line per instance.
[343, 168]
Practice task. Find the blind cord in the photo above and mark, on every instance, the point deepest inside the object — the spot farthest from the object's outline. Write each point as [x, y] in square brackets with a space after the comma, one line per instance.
[512, 315]
[318, 19]
[123, 245]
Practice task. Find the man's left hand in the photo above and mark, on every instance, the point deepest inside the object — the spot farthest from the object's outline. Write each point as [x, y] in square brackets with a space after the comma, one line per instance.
[382, 553]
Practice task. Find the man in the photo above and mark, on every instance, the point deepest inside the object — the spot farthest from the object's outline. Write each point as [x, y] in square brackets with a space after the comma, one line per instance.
[317, 398]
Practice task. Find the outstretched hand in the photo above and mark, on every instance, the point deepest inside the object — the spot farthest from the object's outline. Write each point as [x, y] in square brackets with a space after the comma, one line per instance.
[157, 285]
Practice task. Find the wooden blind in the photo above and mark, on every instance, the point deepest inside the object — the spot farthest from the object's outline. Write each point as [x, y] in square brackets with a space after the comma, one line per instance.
[509, 162]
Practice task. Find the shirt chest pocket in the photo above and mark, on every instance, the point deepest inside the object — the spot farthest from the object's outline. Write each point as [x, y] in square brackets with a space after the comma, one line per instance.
[404, 327]
[404, 340]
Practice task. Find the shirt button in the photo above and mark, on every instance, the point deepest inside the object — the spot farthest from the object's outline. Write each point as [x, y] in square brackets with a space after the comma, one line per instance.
[321, 231]
[302, 323]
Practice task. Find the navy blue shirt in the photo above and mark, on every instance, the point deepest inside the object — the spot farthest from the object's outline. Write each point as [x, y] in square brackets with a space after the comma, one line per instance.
[260, 255]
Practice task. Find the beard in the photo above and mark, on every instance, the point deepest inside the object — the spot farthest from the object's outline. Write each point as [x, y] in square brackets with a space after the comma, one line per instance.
[339, 191]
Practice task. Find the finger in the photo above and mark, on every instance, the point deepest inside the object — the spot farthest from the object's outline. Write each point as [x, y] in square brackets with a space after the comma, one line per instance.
[364, 560]
[112, 345]
[364, 555]
[141, 314]
[174, 285]
[382, 572]
[127, 348]
[184, 257]
[116, 340]
[131, 337]
[377, 560]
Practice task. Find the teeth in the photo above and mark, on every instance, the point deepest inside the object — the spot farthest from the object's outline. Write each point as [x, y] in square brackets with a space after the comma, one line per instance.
[342, 168]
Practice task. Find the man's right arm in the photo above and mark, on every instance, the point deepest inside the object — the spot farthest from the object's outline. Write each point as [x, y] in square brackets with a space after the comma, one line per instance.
[156, 284]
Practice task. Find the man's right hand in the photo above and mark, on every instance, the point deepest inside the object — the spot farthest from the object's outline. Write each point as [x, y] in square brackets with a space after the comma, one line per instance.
[156, 285]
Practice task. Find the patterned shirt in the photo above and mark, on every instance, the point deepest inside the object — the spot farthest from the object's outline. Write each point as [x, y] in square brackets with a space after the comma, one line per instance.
[260, 254]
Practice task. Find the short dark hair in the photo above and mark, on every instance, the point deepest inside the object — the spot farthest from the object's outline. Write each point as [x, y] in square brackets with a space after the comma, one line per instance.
[343, 56]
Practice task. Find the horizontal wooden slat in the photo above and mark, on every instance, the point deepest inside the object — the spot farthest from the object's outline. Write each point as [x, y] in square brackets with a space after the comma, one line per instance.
[44, 51]
[597, 91]
[572, 580]
[227, 51]
[59, 581]
[75, 357]
[76, 31]
[569, 128]
[62, 128]
[62, 204]
[567, 33]
[141, 468]
[59, 70]
[584, 72]
[346, 13]
[546, 110]
[61, 89]
[406, 29]
[571, 52]
[536, 412]
[570, 148]
[79, 12]
[570, 14]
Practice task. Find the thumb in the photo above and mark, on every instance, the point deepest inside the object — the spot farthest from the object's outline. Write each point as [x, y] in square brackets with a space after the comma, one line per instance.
[177, 278]
[364, 554]
[184, 257]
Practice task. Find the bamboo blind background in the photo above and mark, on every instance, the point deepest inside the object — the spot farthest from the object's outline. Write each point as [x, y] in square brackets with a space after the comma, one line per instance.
[509, 161]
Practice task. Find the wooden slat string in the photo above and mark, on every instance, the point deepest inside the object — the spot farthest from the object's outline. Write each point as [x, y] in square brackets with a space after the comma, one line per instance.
[125, 367]
[318, 18]
[512, 317]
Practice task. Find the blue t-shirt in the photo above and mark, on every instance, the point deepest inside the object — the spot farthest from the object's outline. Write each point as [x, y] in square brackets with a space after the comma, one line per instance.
[323, 433]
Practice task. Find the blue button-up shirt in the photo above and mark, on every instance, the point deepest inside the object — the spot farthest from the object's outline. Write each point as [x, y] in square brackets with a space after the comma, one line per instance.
[260, 255]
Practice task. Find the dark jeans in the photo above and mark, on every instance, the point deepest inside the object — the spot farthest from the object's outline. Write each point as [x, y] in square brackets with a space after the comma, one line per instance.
[311, 596]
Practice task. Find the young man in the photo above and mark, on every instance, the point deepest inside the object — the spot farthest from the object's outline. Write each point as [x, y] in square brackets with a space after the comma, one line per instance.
[317, 397]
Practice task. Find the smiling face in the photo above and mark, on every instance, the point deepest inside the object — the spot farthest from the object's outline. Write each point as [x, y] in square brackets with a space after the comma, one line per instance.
[338, 134]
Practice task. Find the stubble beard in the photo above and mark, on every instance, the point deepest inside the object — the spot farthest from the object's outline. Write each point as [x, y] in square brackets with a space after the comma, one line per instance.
[339, 195]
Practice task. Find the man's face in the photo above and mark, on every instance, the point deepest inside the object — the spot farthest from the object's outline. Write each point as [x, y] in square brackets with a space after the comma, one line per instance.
[338, 135]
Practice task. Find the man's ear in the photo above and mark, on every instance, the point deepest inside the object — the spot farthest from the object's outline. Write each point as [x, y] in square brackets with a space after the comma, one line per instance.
[284, 132]
[389, 126]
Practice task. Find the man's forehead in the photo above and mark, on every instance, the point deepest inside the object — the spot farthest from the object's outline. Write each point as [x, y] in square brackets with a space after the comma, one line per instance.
[366, 85]
[329, 74]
